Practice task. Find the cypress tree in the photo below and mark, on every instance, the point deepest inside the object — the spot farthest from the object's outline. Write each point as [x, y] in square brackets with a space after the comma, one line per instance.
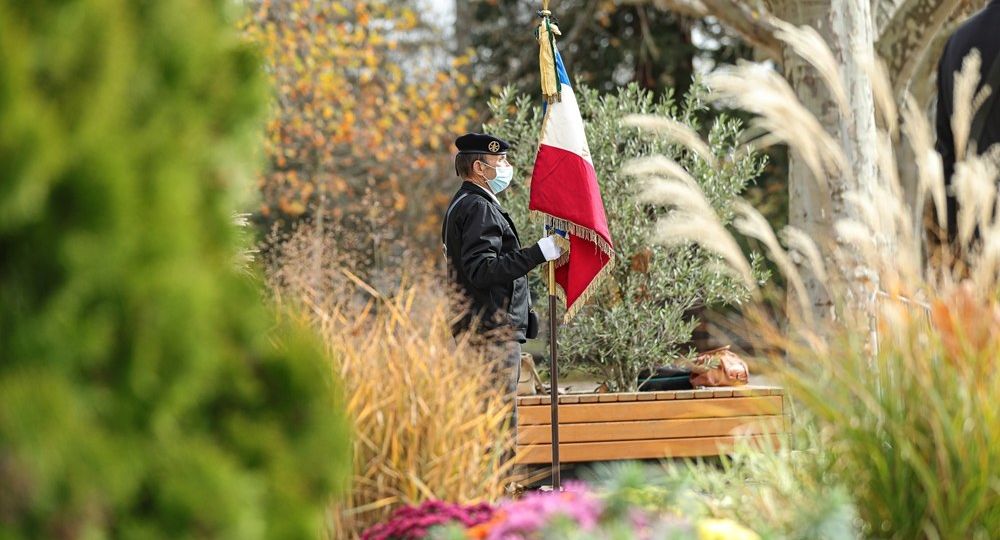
[146, 391]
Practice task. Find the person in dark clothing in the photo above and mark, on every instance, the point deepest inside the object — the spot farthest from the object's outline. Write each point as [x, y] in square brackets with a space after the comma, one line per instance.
[485, 257]
[980, 32]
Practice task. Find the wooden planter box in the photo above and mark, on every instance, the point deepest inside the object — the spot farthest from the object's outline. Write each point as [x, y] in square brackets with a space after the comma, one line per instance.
[648, 425]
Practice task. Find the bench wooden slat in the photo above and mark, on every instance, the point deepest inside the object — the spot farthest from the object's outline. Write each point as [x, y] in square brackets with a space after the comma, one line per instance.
[653, 410]
[738, 391]
[651, 429]
[644, 449]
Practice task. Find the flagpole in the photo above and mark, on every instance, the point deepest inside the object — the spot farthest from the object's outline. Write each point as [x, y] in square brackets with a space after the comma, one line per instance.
[580, 176]
[550, 91]
[553, 375]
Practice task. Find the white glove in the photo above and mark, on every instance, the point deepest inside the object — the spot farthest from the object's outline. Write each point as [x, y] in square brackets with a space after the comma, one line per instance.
[551, 247]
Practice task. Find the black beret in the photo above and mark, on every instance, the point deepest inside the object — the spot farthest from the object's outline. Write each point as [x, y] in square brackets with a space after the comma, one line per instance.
[481, 143]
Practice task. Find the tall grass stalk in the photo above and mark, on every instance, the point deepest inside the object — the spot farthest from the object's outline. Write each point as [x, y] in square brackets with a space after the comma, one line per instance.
[903, 386]
[428, 422]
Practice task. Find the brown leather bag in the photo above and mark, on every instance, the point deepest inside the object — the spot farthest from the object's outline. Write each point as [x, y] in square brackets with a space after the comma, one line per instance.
[719, 367]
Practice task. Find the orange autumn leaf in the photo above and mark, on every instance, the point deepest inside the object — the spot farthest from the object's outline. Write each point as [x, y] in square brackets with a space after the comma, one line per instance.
[967, 324]
[349, 111]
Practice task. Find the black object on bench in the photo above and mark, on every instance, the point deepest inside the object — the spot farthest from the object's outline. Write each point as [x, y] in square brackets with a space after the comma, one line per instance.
[664, 379]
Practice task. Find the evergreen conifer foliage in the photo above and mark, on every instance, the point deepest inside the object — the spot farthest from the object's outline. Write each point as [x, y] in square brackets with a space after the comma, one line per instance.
[145, 389]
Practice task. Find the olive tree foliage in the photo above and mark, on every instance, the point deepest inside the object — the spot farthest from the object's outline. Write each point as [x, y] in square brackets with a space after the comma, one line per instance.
[641, 316]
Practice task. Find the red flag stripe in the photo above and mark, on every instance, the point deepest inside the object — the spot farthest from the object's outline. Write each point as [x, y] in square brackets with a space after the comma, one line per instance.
[564, 186]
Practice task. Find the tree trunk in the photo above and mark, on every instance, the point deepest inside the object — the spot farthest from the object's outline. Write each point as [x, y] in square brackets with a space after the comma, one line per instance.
[464, 13]
[852, 41]
[908, 35]
[846, 25]
[914, 36]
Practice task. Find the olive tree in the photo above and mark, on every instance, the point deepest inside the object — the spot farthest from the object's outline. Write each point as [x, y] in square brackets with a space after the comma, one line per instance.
[642, 315]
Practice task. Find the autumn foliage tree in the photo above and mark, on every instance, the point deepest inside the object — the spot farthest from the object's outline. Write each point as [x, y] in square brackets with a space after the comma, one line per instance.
[365, 106]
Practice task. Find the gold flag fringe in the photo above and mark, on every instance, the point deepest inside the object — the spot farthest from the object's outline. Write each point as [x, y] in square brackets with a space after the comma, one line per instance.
[583, 232]
[594, 238]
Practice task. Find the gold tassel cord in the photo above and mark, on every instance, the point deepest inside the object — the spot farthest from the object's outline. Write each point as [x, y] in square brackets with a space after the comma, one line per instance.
[546, 35]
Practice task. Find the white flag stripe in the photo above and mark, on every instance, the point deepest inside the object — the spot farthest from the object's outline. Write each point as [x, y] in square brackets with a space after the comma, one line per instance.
[564, 126]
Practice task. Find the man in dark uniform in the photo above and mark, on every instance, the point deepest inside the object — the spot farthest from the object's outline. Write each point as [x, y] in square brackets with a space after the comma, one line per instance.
[980, 32]
[485, 257]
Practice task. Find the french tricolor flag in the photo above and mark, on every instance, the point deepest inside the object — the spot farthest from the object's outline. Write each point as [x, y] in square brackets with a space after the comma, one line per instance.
[564, 187]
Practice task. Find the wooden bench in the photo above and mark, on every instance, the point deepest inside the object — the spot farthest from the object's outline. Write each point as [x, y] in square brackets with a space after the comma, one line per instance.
[648, 425]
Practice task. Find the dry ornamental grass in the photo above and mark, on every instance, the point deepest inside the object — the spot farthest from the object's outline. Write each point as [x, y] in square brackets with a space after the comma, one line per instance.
[901, 384]
[427, 421]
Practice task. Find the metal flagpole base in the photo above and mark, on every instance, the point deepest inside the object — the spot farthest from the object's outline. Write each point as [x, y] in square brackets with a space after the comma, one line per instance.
[553, 376]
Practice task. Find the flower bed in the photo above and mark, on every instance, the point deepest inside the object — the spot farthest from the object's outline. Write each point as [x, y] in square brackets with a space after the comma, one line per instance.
[576, 511]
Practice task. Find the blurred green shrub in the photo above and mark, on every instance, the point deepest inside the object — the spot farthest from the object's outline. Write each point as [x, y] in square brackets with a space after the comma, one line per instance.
[145, 390]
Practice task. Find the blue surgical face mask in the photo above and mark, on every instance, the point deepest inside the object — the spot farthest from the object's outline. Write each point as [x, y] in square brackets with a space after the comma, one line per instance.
[505, 173]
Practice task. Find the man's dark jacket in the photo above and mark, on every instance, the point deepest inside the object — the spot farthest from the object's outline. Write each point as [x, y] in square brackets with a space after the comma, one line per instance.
[981, 32]
[486, 260]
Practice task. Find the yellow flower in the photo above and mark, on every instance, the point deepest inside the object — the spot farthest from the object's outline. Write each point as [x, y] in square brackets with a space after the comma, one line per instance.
[724, 529]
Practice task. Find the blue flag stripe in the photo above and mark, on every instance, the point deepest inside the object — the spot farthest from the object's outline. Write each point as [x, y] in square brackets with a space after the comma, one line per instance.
[561, 70]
